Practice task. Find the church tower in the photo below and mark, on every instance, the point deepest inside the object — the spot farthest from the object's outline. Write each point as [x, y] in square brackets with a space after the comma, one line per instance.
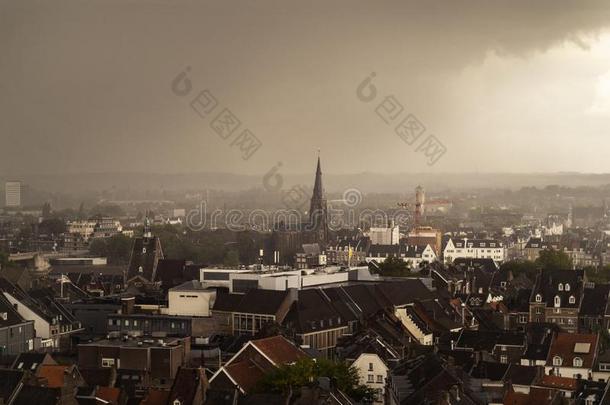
[318, 211]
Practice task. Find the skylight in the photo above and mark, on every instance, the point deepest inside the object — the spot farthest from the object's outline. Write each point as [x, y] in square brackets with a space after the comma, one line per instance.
[582, 347]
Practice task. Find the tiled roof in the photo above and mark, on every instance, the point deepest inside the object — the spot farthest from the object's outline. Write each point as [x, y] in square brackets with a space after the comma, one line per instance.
[564, 344]
[156, 397]
[52, 374]
[227, 302]
[110, 394]
[186, 384]
[257, 301]
[553, 381]
[245, 373]
[279, 350]
[523, 375]
[9, 380]
[314, 311]
[594, 300]
[38, 395]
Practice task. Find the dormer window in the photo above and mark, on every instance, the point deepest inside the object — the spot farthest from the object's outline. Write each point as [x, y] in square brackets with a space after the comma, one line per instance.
[572, 299]
[538, 298]
[567, 288]
[577, 362]
[557, 361]
[557, 301]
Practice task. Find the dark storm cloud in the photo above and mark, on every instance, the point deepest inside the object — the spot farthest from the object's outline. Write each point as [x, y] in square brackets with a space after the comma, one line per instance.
[86, 85]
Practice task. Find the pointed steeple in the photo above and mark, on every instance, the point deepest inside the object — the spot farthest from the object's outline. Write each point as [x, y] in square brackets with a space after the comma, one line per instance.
[318, 190]
[318, 212]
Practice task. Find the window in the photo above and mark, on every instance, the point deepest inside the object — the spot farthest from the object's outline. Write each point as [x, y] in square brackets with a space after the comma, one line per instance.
[557, 361]
[371, 378]
[379, 378]
[370, 366]
[538, 298]
[107, 363]
[577, 362]
[522, 318]
[572, 299]
[560, 287]
[604, 367]
[504, 359]
[567, 288]
[557, 301]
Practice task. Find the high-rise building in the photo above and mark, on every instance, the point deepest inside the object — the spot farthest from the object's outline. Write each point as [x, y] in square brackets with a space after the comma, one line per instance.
[13, 193]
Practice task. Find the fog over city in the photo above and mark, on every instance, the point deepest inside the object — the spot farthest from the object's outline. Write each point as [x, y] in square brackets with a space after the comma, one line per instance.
[323, 202]
[511, 87]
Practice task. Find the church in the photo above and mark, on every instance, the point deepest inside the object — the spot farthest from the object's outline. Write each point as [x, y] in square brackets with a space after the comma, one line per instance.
[287, 241]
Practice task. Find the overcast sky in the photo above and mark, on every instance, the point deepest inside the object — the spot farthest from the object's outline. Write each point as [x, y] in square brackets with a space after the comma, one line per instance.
[510, 86]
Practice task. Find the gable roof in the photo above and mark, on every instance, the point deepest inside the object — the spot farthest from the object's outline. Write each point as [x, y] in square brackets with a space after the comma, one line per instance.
[145, 256]
[9, 383]
[245, 373]
[314, 311]
[32, 361]
[186, 385]
[279, 350]
[568, 346]
[258, 301]
[38, 395]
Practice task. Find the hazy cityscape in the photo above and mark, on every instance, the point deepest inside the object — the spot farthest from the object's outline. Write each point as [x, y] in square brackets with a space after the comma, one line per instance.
[399, 202]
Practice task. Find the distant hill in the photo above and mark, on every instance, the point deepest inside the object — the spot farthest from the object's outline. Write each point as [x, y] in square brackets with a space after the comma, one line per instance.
[366, 182]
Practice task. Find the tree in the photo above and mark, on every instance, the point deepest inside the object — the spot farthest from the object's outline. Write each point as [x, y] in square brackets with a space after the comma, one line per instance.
[518, 267]
[109, 210]
[550, 259]
[231, 258]
[394, 266]
[306, 371]
[117, 249]
[52, 226]
[3, 260]
[598, 275]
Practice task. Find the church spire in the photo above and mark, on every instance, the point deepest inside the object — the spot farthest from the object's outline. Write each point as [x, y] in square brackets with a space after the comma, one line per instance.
[318, 212]
[318, 190]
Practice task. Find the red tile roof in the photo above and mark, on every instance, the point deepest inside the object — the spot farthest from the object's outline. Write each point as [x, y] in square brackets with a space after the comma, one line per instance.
[52, 374]
[553, 381]
[279, 350]
[536, 396]
[245, 373]
[563, 346]
[109, 394]
[155, 397]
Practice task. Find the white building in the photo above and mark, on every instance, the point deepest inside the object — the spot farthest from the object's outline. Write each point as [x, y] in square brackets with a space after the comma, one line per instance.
[474, 249]
[84, 228]
[13, 193]
[107, 227]
[415, 255]
[239, 281]
[373, 373]
[384, 236]
[190, 299]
